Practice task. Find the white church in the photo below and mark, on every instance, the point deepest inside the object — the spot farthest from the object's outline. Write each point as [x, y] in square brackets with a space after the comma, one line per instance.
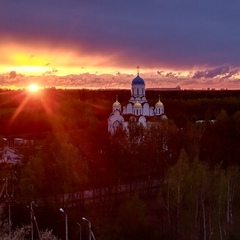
[137, 107]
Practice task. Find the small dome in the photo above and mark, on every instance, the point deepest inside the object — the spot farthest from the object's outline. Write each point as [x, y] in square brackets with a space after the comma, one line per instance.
[137, 105]
[117, 104]
[159, 103]
[138, 81]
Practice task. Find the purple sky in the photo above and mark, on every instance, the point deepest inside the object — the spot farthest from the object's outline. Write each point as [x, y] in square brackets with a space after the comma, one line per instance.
[198, 37]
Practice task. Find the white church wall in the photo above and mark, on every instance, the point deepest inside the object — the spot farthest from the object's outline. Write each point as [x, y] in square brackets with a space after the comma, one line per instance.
[115, 117]
[162, 110]
[159, 111]
[116, 108]
[137, 111]
[129, 108]
[146, 111]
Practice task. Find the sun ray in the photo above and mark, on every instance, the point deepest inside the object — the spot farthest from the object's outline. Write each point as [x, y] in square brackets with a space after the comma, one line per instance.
[19, 109]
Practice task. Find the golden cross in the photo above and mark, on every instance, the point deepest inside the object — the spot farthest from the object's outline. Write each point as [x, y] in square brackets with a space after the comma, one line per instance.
[138, 69]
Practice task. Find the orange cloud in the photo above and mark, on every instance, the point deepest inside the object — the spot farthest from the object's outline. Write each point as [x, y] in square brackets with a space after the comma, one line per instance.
[40, 57]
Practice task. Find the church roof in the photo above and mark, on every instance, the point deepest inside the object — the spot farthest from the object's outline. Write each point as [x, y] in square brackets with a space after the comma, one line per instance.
[137, 105]
[159, 104]
[117, 104]
[138, 81]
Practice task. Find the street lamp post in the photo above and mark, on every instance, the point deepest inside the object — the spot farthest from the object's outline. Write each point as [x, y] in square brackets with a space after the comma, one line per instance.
[89, 227]
[80, 231]
[8, 200]
[66, 223]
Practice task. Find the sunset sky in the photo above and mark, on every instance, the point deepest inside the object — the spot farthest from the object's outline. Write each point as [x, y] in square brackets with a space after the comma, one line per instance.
[99, 43]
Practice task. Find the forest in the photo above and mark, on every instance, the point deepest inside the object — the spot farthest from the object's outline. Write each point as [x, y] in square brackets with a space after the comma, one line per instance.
[189, 190]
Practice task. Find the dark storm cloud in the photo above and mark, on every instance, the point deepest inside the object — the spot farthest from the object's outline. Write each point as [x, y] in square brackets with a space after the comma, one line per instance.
[149, 33]
[224, 71]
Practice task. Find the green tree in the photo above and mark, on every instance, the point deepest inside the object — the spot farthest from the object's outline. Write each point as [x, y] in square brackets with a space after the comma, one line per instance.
[198, 200]
[133, 219]
[57, 169]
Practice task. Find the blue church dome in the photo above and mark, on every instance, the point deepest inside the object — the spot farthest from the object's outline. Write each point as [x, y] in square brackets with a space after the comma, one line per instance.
[138, 80]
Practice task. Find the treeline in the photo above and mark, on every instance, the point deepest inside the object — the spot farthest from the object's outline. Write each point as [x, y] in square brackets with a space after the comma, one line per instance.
[55, 109]
[196, 164]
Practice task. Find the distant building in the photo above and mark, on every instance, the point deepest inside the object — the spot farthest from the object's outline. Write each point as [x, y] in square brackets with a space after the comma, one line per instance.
[204, 121]
[137, 108]
[10, 153]
[177, 88]
[11, 156]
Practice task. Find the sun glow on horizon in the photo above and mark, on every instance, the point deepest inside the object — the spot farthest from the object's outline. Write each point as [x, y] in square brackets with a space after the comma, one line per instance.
[29, 70]
[33, 88]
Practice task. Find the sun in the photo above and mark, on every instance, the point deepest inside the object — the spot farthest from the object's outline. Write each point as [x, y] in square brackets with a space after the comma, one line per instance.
[33, 88]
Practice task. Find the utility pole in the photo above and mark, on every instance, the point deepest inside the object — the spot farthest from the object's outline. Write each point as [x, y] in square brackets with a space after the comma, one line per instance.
[33, 218]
